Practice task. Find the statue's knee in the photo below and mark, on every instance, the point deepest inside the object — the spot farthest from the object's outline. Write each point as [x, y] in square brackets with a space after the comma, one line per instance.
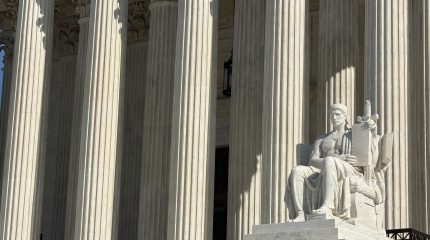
[297, 172]
[329, 162]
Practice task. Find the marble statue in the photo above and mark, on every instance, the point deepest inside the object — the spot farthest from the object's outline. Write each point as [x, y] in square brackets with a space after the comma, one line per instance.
[335, 180]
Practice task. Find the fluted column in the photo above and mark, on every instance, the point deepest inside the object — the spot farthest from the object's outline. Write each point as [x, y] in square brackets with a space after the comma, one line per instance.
[338, 49]
[419, 151]
[157, 124]
[386, 85]
[132, 139]
[244, 188]
[32, 56]
[5, 98]
[193, 149]
[284, 100]
[99, 171]
[59, 120]
[425, 181]
[75, 135]
[58, 144]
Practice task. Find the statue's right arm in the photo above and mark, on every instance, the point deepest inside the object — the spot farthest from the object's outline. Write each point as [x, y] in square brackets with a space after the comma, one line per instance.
[316, 159]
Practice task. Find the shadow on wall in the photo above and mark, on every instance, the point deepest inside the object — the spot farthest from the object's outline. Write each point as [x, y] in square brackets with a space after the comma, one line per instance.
[243, 204]
[337, 53]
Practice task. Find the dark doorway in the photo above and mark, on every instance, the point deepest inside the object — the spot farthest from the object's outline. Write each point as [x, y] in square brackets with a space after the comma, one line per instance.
[220, 196]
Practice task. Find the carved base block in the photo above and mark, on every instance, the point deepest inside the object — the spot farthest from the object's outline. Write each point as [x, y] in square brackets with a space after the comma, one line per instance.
[318, 216]
[329, 229]
[363, 213]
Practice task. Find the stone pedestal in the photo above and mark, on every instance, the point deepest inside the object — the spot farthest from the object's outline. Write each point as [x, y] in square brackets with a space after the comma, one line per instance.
[325, 229]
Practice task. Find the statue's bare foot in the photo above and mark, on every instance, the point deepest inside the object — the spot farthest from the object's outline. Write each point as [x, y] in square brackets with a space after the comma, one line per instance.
[300, 218]
[324, 209]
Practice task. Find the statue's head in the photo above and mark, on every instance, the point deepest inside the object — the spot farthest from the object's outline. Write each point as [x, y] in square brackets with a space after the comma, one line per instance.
[338, 114]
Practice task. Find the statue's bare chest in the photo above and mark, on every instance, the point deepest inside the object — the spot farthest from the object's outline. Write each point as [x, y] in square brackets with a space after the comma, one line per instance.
[332, 144]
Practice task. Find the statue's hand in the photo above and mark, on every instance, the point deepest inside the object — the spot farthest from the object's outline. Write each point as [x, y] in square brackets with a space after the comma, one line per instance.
[349, 159]
[353, 186]
[370, 125]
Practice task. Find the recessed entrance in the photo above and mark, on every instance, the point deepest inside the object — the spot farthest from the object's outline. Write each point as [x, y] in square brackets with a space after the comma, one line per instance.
[220, 195]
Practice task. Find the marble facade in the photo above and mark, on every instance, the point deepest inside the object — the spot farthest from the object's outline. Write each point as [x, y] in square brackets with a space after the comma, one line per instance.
[111, 111]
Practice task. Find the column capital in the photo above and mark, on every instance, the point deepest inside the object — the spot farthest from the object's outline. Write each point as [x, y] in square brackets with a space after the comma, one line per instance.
[7, 41]
[138, 20]
[8, 16]
[82, 8]
[66, 30]
[8, 19]
[66, 37]
[10, 11]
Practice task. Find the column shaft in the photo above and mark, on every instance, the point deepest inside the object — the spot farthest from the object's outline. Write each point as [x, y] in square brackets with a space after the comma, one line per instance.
[19, 217]
[284, 100]
[100, 151]
[244, 188]
[58, 145]
[132, 140]
[338, 45]
[4, 109]
[386, 85]
[157, 130]
[425, 170]
[193, 151]
[75, 135]
[420, 118]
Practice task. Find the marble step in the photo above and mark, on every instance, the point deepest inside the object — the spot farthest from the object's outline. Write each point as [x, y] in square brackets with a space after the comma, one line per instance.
[297, 226]
[314, 234]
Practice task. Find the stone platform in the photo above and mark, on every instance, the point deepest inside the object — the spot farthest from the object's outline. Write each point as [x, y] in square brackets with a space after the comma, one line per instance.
[328, 229]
